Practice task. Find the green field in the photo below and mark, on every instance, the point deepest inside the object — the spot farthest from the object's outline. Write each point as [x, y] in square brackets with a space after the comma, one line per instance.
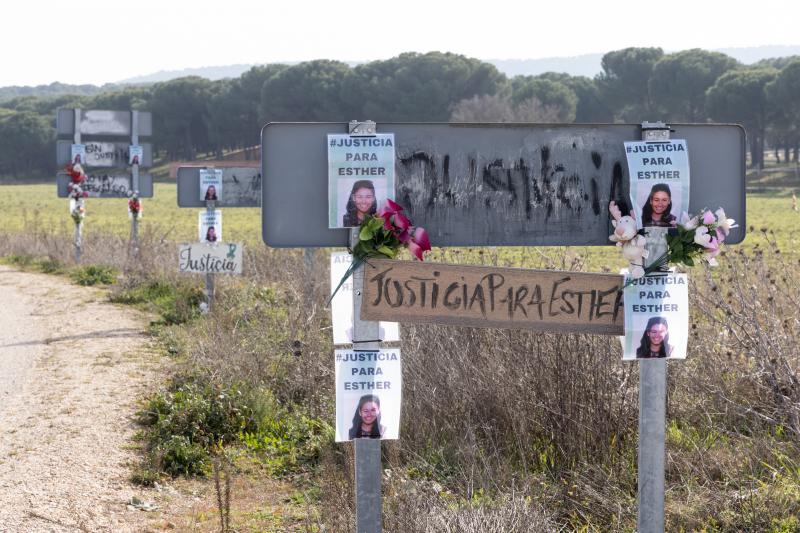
[37, 208]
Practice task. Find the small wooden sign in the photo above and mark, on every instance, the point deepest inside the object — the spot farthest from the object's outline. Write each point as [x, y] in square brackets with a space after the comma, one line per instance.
[202, 258]
[487, 296]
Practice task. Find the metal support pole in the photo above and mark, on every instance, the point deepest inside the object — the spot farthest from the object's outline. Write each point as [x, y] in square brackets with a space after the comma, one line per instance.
[135, 184]
[367, 451]
[209, 276]
[76, 139]
[652, 397]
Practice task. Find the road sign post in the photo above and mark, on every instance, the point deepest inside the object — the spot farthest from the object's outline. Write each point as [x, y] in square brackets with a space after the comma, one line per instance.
[135, 184]
[652, 396]
[96, 127]
[233, 187]
[79, 224]
[367, 451]
[500, 185]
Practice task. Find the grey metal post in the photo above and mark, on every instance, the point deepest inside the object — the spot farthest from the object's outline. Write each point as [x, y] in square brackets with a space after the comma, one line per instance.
[367, 451]
[209, 276]
[652, 399]
[76, 138]
[135, 183]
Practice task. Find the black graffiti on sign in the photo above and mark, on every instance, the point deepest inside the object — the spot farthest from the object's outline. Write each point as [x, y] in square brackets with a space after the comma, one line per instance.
[106, 154]
[424, 180]
[107, 185]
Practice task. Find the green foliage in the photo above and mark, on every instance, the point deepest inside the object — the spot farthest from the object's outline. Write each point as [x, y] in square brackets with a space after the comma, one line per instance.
[177, 303]
[310, 91]
[184, 423]
[679, 83]
[623, 83]
[418, 87]
[25, 137]
[94, 275]
[550, 93]
[286, 440]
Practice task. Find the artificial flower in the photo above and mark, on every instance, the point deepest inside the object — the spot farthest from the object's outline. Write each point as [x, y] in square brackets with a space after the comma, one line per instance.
[723, 222]
[382, 235]
[688, 222]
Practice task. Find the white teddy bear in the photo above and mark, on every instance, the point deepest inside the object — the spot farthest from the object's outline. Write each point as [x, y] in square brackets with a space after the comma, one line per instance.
[627, 237]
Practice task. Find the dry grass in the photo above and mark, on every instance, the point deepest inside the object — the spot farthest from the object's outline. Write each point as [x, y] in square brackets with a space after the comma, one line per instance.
[518, 431]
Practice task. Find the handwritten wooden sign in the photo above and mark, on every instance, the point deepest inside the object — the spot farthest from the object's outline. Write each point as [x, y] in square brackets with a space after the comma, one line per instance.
[486, 296]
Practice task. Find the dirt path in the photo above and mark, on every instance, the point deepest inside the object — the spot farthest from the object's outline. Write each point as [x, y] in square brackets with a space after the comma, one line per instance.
[71, 368]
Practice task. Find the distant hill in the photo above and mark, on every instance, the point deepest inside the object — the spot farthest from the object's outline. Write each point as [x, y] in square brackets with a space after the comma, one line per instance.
[590, 64]
[211, 73]
[54, 89]
[581, 65]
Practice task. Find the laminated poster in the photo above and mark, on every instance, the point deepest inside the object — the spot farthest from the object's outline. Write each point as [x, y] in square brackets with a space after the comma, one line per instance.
[360, 177]
[656, 317]
[210, 226]
[659, 181]
[211, 184]
[368, 394]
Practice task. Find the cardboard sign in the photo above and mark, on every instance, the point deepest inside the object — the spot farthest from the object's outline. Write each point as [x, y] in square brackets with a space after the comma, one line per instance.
[659, 181]
[369, 388]
[209, 226]
[342, 305]
[360, 177]
[203, 258]
[657, 317]
[486, 296]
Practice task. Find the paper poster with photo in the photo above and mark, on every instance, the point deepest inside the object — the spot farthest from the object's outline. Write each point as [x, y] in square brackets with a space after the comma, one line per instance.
[360, 177]
[211, 184]
[210, 226]
[368, 394]
[135, 154]
[657, 317]
[659, 179]
[78, 154]
[342, 305]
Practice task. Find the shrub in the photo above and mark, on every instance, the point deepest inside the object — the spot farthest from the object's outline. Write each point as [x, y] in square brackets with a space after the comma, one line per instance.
[94, 275]
[185, 422]
[175, 302]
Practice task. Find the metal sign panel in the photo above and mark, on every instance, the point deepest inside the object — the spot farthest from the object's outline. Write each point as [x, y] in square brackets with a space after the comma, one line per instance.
[104, 154]
[114, 184]
[493, 297]
[241, 187]
[493, 184]
[105, 123]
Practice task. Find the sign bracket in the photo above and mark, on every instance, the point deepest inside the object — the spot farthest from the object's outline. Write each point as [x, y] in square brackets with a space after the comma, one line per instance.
[656, 132]
[366, 128]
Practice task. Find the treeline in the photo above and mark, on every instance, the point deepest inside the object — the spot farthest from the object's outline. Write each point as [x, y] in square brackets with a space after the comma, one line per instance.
[194, 115]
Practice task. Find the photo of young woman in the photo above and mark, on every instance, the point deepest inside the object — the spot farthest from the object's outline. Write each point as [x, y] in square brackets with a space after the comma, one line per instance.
[361, 202]
[657, 210]
[367, 419]
[655, 340]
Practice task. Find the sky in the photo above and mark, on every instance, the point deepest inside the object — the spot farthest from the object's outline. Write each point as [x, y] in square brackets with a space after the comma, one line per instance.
[99, 42]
